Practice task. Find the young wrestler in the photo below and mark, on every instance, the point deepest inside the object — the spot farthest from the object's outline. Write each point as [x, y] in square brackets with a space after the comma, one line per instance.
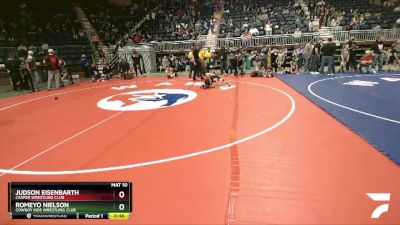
[210, 78]
[269, 72]
[293, 67]
[170, 72]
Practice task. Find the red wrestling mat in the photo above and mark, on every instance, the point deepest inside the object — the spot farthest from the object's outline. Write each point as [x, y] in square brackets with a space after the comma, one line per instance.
[256, 152]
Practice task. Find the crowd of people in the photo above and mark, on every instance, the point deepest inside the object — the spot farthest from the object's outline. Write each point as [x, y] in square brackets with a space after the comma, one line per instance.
[182, 19]
[315, 57]
[26, 22]
[263, 18]
[115, 24]
[187, 19]
[336, 15]
[24, 71]
[127, 71]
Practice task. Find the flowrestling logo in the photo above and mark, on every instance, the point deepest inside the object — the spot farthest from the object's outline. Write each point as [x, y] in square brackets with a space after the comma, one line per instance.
[384, 207]
[147, 99]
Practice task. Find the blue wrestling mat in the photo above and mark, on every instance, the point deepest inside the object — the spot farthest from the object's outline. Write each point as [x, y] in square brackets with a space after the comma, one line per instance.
[367, 104]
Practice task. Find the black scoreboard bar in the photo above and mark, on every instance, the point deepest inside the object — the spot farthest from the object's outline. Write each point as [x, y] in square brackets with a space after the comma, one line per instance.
[70, 200]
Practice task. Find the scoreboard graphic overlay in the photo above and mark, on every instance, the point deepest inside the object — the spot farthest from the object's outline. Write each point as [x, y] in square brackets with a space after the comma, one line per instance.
[74, 200]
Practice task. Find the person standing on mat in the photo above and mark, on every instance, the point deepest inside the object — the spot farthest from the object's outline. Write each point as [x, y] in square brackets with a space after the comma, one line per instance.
[352, 56]
[26, 77]
[315, 58]
[223, 56]
[328, 52]
[137, 59]
[280, 61]
[378, 49]
[53, 64]
[231, 62]
[124, 69]
[344, 58]
[207, 59]
[197, 63]
[12, 65]
[191, 64]
[32, 69]
[307, 52]
[274, 57]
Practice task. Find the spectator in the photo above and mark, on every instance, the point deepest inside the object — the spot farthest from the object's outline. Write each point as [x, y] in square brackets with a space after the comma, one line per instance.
[13, 65]
[297, 33]
[32, 70]
[107, 72]
[137, 63]
[197, 62]
[268, 28]
[328, 52]
[264, 57]
[299, 56]
[256, 70]
[94, 73]
[53, 65]
[63, 71]
[191, 64]
[248, 58]
[207, 58]
[315, 57]
[27, 81]
[378, 49]
[22, 50]
[269, 59]
[254, 31]
[137, 38]
[354, 23]
[32, 47]
[386, 56]
[322, 14]
[274, 57]
[245, 26]
[366, 62]
[95, 40]
[344, 57]
[246, 37]
[186, 63]
[333, 23]
[124, 68]
[307, 52]
[293, 67]
[165, 63]
[239, 64]
[231, 62]
[85, 63]
[394, 59]
[174, 63]
[397, 46]
[223, 57]
[352, 56]
[280, 61]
